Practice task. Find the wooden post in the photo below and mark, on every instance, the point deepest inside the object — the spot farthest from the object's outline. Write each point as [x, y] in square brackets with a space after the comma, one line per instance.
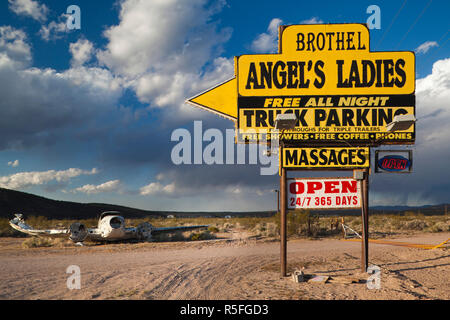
[278, 200]
[365, 222]
[283, 224]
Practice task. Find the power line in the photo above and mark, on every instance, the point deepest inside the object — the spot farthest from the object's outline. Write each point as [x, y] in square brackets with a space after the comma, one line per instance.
[392, 22]
[441, 45]
[414, 23]
[442, 38]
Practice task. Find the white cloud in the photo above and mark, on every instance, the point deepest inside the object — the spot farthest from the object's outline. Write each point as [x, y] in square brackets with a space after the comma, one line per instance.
[45, 100]
[267, 42]
[29, 8]
[313, 20]
[432, 98]
[160, 176]
[81, 51]
[14, 50]
[26, 179]
[55, 29]
[113, 185]
[14, 163]
[424, 47]
[163, 90]
[156, 188]
[428, 184]
[36, 102]
[244, 190]
[161, 47]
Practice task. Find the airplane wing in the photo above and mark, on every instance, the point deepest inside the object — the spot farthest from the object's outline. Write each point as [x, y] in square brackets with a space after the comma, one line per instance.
[171, 229]
[19, 224]
[77, 232]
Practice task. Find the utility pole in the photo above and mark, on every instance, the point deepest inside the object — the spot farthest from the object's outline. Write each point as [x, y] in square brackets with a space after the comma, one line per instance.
[278, 199]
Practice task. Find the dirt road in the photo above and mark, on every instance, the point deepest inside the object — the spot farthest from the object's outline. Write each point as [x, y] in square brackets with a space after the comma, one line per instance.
[239, 269]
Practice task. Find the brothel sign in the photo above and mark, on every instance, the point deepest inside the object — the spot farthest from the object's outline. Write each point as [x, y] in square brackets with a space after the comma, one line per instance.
[327, 76]
[323, 193]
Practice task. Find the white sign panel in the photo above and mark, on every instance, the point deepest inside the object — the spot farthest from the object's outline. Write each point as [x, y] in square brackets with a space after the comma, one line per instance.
[323, 193]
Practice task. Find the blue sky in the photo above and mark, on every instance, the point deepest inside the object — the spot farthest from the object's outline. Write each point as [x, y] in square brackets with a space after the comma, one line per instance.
[87, 115]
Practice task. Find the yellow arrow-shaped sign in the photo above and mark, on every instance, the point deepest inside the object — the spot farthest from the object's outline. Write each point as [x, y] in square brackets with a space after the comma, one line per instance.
[221, 99]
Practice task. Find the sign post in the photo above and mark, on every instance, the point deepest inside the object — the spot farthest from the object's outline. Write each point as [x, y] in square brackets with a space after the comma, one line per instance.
[283, 223]
[344, 98]
[365, 222]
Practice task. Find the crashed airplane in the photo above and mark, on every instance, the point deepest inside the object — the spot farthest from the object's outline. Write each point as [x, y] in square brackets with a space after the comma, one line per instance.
[111, 227]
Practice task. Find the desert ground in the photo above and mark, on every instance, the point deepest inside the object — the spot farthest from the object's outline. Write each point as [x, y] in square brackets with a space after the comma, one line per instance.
[235, 267]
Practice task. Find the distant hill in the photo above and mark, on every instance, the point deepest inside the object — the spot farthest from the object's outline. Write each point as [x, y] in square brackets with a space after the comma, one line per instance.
[28, 204]
[12, 202]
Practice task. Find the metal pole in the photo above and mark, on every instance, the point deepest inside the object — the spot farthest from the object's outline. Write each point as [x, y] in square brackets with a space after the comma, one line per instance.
[283, 222]
[365, 222]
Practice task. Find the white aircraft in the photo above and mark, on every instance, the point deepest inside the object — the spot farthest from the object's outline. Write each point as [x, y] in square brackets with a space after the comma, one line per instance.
[111, 227]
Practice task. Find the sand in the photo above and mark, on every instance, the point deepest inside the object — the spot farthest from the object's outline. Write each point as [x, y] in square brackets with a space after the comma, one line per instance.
[238, 268]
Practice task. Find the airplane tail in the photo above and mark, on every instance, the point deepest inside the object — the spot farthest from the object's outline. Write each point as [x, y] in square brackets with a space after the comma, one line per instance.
[19, 224]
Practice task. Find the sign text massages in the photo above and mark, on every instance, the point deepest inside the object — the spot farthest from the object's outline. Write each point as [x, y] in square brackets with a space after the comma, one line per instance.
[326, 75]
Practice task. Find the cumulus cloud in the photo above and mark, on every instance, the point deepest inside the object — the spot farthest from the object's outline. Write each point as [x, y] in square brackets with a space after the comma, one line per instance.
[156, 188]
[26, 179]
[432, 98]
[267, 42]
[428, 184]
[29, 8]
[109, 186]
[81, 51]
[313, 20]
[424, 47]
[247, 190]
[36, 101]
[14, 163]
[14, 49]
[161, 47]
[55, 29]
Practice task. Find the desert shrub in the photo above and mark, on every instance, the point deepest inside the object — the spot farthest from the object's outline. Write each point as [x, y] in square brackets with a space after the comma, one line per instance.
[297, 222]
[414, 225]
[166, 237]
[396, 221]
[266, 229]
[440, 226]
[416, 215]
[38, 222]
[227, 226]
[271, 230]
[36, 242]
[6, 230]
[204, 235]
[213, 229]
